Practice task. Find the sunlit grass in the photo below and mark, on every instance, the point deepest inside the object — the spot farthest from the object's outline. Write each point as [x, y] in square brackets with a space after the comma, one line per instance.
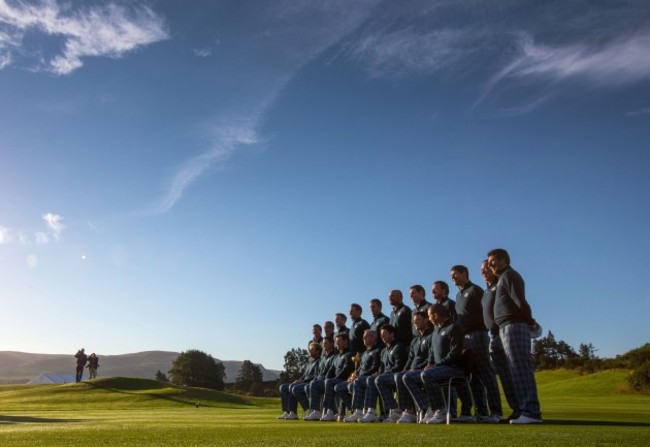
[578, 411]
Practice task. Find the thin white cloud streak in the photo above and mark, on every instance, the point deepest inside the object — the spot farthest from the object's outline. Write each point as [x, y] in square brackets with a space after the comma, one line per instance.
[6, 40]
[410, 51]
[110, 30]
[202, 52]
[507, 48]
[644, 111]
[623, 61]
[295, 32]
[525, 108]
[414, 51]
[226, 140]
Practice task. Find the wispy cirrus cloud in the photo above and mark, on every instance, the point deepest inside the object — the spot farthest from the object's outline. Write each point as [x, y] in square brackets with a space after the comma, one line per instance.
[622, 61]
[411, 51]
[290, 33]
[202, 52]
[226, 139]
[109, 30]
[508, 47]
[53, 232]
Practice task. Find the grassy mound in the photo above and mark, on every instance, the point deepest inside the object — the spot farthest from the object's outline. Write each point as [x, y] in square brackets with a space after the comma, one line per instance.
[599, 397]
[561, 382]
[114, 393]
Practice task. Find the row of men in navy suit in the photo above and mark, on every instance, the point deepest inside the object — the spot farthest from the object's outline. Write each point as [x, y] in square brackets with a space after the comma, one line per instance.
[405, 357]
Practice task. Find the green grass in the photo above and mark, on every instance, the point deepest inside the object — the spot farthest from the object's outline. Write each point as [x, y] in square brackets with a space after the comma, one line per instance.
[592, 410]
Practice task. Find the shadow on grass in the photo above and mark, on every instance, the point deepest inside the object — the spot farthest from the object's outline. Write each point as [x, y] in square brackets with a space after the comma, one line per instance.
[595, 423]
[150, 388]
[33, 420]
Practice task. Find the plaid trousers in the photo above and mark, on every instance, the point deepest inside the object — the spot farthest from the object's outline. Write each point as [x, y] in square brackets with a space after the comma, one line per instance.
[289, 402]
[415, 386]
[516, 344]
[370, 399]
[431, 379]
[403, 396]
[316, 390]
[359, 388]
[329, 402]
[343, 394]
[299, 392]
[500, 363]
[484, 381]
[385, 385]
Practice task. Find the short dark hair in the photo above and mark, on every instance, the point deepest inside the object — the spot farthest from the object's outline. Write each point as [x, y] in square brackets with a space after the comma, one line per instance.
[318, 345]
[444, 286]
[397, 291]
[500, 253]
[420, 313]
[329, 323]
[343, 335]
[342, 316]
[318, 326]
[357, 307]
[389, 328]
[376, 301]
[441, 310]
[460, 269]
[419, 288]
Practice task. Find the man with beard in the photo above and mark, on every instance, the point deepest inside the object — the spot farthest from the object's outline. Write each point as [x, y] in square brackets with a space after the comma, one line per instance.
[420, 304]
[288, 391]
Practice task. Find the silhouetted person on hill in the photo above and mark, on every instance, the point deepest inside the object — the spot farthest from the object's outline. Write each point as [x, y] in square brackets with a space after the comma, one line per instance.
[81, 363]
[93, 364]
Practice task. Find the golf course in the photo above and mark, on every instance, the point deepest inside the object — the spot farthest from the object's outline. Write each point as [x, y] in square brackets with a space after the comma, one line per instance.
[579, 410]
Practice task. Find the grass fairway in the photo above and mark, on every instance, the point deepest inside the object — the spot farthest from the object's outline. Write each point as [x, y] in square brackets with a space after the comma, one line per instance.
[578, 411]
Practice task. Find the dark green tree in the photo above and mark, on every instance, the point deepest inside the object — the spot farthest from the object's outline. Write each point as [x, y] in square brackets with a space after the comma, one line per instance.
[295, 362]
[249, 377]
[549, 353]
[639, 379]
[196, 368]
[587, 352]
[160, 376]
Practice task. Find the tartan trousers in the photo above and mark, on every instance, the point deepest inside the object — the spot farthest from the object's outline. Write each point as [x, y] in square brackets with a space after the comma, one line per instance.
[516, 345]
[484, 382]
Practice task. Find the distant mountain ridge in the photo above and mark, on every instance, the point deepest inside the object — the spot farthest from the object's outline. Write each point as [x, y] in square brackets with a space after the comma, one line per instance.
[21, 367]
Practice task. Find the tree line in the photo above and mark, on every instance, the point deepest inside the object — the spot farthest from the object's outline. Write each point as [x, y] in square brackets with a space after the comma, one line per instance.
[552, 353]
[197, 369]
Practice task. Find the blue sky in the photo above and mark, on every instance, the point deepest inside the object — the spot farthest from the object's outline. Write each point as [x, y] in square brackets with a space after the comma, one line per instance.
[220, 175]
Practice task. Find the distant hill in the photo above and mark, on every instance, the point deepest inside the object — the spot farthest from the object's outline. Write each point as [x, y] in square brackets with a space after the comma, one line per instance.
[21, 367]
